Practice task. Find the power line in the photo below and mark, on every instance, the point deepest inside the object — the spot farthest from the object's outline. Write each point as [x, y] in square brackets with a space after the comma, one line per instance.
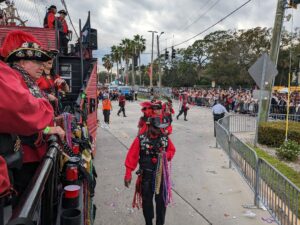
[65, 5]
[203, 14]
[187, 22]
[228, 15]
[38, 12]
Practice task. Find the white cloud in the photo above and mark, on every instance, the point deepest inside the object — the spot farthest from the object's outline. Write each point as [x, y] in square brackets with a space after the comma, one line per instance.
[118, 19]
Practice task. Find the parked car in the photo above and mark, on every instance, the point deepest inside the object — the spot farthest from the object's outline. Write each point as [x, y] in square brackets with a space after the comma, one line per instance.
[127, 91]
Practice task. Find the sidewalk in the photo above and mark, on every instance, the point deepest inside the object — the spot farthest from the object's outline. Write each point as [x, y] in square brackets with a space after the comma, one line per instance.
[205, 190]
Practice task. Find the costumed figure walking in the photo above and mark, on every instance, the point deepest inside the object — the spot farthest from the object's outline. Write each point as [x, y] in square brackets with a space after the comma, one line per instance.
[183, 105]
[153, 151]
[168, 111]
[122, 101]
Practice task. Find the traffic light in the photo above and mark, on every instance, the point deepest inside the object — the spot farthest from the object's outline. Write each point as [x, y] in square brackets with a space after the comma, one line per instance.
[167, 55]
[293, 3]
[173, 53]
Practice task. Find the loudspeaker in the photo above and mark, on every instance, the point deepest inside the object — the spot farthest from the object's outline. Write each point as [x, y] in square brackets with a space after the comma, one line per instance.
[93, 40]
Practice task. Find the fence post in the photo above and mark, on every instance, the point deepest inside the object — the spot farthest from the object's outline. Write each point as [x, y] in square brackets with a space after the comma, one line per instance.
[215, 133]
[256, 189]
[229, 148]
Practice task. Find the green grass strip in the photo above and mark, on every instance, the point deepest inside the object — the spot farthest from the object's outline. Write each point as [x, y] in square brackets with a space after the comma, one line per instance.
[287, 171]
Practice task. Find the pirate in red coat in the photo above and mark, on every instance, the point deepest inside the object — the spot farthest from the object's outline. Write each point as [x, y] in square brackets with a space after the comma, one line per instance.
[63, 32]
[52, 84]
[152, 150]
[49, 20]
[122, 101]
[26, 58]
[147, 112]
[183, 105]
[168, 111]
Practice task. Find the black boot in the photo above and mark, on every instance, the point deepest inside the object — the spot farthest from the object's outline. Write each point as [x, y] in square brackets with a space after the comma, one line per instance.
[185, 119]
[177, 117]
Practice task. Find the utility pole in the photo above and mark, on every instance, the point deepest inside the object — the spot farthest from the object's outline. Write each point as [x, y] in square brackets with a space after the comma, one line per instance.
[275, 46]
[158, 57]
[151, 78]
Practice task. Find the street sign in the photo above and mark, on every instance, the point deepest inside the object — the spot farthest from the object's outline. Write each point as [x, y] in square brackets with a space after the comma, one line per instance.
[257, 94]
[257, 69]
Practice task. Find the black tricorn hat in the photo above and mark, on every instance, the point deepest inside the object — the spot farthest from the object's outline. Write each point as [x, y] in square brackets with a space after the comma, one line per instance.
[52, 53]
[28, 51]
[52, 7]
[62, 12]
[156, 122]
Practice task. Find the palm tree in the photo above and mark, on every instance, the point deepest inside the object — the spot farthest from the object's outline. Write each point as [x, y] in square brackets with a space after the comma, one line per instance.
[126, 45]
[108, 64]
[116, 52]
[140, 44]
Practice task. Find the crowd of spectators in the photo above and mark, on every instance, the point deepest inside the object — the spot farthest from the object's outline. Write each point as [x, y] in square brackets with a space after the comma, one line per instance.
[239, 100]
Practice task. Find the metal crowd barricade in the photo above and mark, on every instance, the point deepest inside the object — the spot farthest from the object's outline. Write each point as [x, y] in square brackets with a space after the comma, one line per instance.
[281, 117]
[242, 123]
[36, 204]
[280, 196]
[245, 159]
[222, 137]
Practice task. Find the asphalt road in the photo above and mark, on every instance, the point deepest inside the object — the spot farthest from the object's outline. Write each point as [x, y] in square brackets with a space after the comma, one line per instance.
[205, 190]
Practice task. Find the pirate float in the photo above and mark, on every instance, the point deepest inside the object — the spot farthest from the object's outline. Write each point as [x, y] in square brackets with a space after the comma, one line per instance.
[61, 187]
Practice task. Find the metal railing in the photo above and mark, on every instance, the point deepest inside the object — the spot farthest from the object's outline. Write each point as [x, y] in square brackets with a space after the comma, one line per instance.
[279, 195]
[237, 123]
[36, 204]
[281, 117]
[222, 137]
[242, 123]
[245, 160]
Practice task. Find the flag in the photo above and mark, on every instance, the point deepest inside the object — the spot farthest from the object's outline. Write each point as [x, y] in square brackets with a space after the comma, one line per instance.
[86, 31]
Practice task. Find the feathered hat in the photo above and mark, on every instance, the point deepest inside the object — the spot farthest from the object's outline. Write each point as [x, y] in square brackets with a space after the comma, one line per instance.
[19, 45]
[146, 108]
[62, 12]
[145, 105]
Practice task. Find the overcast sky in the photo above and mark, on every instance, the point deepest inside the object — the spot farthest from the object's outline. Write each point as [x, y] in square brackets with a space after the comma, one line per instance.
[178, 19]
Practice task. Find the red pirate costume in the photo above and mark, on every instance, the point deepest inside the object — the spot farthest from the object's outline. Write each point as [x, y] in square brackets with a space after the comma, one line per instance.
[183, 99]
[153, 150]
[49, 82]
[20, 112]
[49, 21]
[168, 111]
[122, 101]
[63, 31]
[17, 46]
[147, 111]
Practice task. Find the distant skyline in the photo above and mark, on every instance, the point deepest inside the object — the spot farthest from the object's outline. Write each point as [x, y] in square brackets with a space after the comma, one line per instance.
[178, 19]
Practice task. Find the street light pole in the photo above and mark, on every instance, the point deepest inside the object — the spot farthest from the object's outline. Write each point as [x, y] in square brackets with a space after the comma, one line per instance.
[158, 57]
[151, 80]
